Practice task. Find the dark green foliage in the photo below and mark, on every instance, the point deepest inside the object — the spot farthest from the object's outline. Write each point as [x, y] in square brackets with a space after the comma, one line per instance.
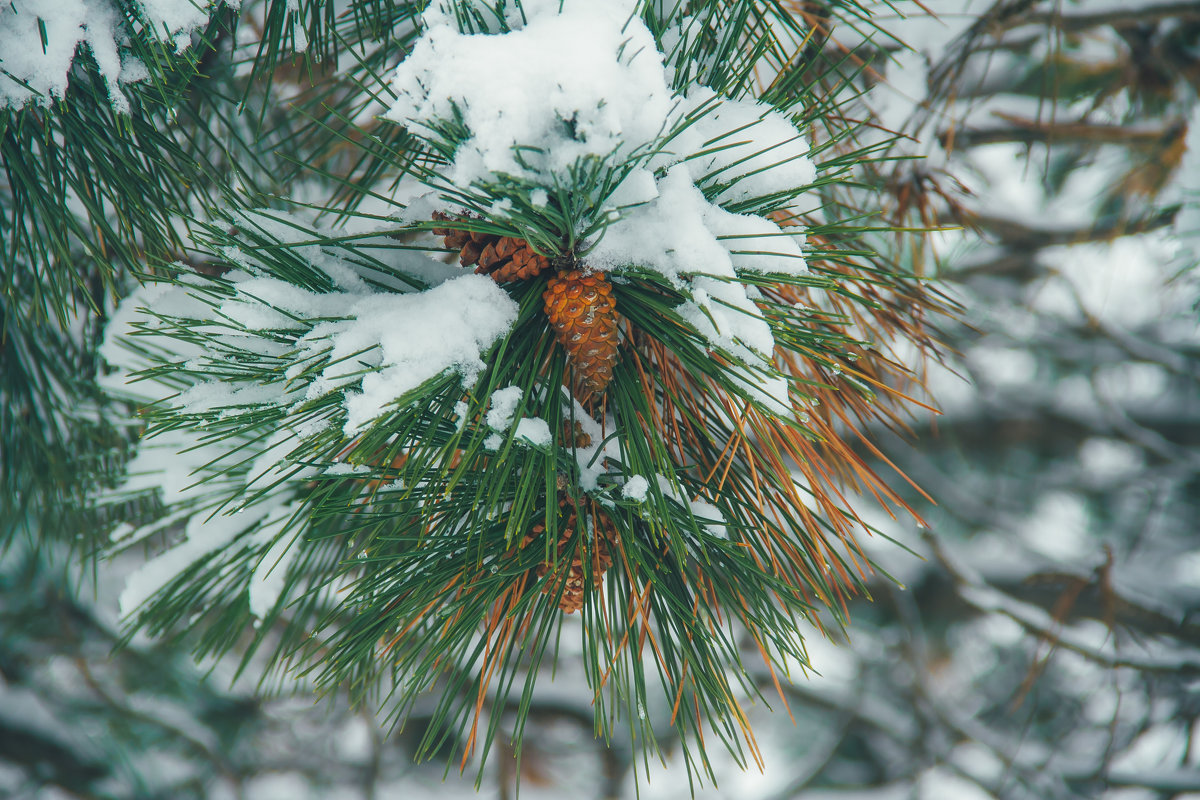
[408, 573]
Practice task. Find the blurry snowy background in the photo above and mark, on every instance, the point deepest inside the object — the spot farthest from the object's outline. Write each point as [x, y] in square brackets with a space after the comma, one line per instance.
[1045, 643]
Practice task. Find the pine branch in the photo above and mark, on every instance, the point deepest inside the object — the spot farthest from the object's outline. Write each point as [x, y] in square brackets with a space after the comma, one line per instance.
[411, 511]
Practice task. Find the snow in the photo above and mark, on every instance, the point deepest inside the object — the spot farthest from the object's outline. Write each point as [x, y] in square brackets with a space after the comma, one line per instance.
[1120, 283]
[534, 431]
[577, 84]
[367, 345]
[667, 234]
[711, 517]
[584, 83]
[355, 741]
[679, 233]
[672, 235]
[635, 488]
[756, 150]
[669, 489]
[22, 709]
[170, 464]
[421, 336]
[123, 531]
[1002, 365]
[303, 235]
[504, 408]
[1058, 526]
[346, 468]
[38, 73]
[119, 339]
[267, 581]
[404, 339]
[770, 392]
[603, 450]
[175, 464]
[204, 537]
[1108, 461]
[587, 82]
[727, 318]
[279, 786]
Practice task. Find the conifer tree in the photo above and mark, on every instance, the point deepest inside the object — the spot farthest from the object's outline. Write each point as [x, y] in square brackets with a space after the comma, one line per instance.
[425, 348]
[634, 396]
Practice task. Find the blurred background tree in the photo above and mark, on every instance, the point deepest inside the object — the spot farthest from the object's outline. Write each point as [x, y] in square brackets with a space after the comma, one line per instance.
[1044, 643]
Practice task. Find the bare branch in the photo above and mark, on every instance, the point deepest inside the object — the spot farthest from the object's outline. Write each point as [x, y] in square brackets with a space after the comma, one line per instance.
[1132, 15]
[1048, 132]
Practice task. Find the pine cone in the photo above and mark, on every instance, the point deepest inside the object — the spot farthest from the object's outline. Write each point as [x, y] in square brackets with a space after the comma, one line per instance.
[575, 435]
[505, 258]
[594, 545]
[583, 313]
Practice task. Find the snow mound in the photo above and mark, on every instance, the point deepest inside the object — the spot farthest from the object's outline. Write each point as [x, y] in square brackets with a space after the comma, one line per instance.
[580, 88]
[587, 82]
[40, 39]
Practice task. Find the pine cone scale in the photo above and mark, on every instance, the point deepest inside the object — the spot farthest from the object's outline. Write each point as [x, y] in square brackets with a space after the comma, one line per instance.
[582, 311]
[504, 258]
[573, 550]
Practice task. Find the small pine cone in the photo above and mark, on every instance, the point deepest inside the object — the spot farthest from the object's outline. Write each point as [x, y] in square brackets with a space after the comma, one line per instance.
[575, 435]
[505, 258]
[568, 566]
[469, 243]
[511, 260]
[583, 313]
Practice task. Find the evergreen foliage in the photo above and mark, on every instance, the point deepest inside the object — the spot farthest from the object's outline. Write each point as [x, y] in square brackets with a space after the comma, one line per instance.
[219, 287]
[383, 548]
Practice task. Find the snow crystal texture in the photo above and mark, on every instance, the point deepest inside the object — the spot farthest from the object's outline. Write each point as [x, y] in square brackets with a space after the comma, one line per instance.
[580, 82]
[40, 40]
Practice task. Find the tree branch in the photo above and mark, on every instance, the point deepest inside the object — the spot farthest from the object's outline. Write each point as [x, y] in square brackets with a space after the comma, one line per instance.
[1132, 15]
[1038, 132]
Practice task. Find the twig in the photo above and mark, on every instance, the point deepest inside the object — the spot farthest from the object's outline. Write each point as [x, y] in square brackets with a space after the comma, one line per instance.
[1018, 235]
[1035, 132]
[975, 591]
[1133, 15]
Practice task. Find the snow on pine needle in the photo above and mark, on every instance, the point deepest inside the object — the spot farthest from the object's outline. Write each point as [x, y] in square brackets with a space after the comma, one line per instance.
[40, 41]
[627, 400]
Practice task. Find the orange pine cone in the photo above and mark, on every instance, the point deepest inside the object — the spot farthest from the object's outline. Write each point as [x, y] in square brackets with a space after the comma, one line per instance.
[505, 258]
[583, 313]
[569, 576]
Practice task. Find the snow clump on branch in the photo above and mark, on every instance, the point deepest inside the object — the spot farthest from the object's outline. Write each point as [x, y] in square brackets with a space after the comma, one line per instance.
[39, 40]
[572, 87]
[364, 348]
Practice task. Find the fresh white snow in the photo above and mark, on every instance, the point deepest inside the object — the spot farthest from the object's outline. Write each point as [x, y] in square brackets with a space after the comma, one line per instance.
[373, 347]
[37, 70]
[504, 408]
[585, 81]
[267, 581]
[635, 488]
[533, 431]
